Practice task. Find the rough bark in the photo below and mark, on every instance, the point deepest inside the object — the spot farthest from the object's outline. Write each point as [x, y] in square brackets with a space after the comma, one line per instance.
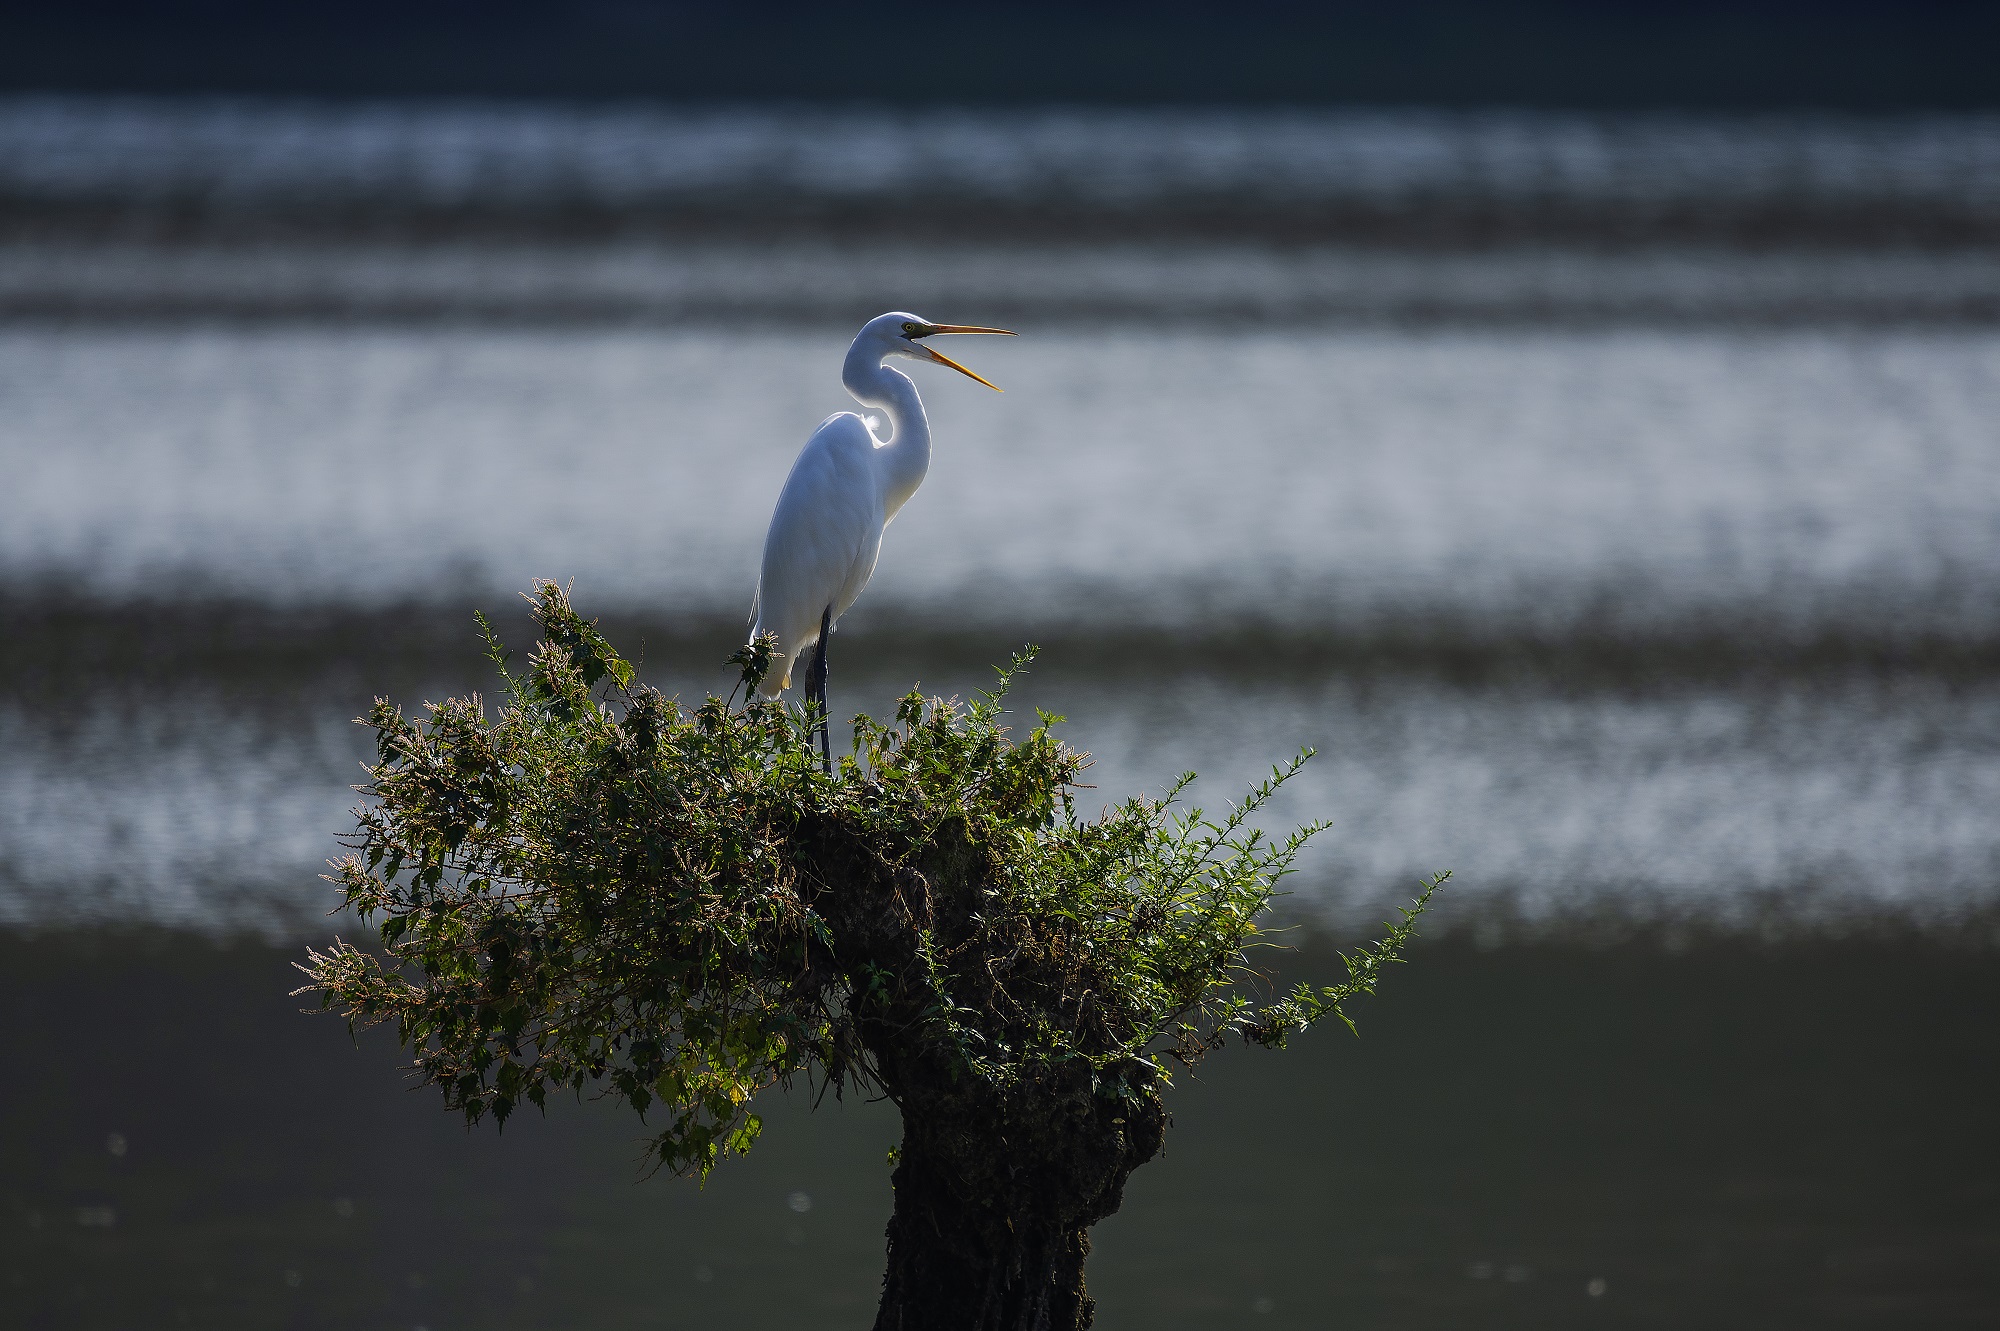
[991, 1227]
[999, 1177]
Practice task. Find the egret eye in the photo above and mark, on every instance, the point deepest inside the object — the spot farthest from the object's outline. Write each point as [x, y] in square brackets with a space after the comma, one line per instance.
[911, 330]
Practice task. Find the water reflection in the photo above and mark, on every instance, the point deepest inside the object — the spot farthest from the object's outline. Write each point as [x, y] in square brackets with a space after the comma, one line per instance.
[1326, 481]
[1814, 795]
[1700, 622]
[323, 166]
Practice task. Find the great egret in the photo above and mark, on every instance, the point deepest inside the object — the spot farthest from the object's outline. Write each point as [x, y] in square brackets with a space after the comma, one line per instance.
[847, 485]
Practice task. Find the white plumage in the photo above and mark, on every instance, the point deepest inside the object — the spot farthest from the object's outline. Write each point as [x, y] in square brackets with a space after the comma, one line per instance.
[846, 487]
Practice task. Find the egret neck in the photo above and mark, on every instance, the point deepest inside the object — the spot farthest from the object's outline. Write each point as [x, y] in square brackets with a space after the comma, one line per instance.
[903, 452]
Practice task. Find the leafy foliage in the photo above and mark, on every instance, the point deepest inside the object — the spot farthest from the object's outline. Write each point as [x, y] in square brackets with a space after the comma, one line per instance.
[597, 889]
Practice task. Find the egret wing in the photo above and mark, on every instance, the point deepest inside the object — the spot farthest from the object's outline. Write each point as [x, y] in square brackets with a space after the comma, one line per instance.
[825, 533]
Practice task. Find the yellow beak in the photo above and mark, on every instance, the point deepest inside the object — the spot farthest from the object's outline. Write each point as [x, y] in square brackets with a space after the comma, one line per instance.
[943, 359]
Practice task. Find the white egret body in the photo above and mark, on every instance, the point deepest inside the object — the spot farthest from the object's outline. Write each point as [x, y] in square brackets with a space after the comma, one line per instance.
[847, 486]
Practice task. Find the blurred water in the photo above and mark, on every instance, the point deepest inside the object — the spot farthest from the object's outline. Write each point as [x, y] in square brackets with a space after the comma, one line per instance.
[1741, 1136]
[150, 208]
[1781, 543]
[1613, 501]
[840, 282]
[246, 152]
[1779, 806]
[1790, 483]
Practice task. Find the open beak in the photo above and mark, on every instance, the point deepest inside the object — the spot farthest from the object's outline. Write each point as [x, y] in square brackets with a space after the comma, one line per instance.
[943, 359]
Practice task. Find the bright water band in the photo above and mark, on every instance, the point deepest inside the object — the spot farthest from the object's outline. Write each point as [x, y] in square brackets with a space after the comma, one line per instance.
[223, 155]
[1685, 503]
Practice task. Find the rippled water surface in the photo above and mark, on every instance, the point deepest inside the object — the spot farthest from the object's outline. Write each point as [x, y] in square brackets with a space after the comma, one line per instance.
[1510, 479]
[1612, 501]
[238, 151]
[1756, 570]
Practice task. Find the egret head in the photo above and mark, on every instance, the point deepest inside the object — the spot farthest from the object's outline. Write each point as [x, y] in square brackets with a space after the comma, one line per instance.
[903, 334]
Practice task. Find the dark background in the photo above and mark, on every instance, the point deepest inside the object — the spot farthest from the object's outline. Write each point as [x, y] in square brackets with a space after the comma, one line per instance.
[1719, 1134]
[1859, 57]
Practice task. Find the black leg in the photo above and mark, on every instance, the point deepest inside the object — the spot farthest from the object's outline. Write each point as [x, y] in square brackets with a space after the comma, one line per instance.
[813, 704]
[819, 687]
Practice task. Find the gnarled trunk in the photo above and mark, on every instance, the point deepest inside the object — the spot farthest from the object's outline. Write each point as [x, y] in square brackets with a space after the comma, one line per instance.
[1005, 1162]
[958, 1264]
[991, 1226]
